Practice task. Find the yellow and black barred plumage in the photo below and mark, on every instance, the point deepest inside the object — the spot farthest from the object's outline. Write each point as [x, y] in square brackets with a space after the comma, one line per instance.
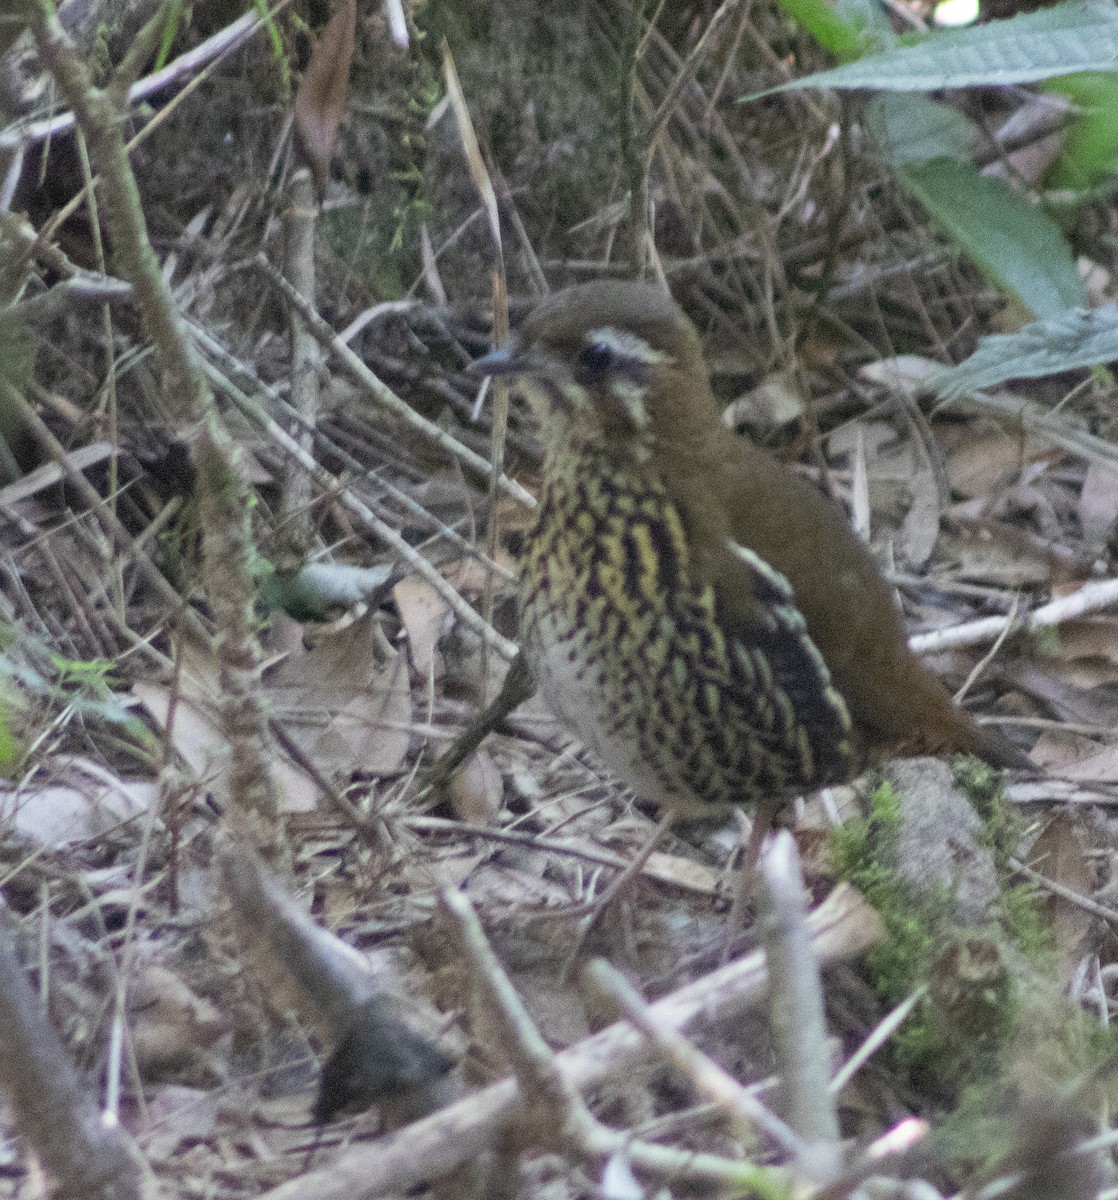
[700, 616]
[628, 646]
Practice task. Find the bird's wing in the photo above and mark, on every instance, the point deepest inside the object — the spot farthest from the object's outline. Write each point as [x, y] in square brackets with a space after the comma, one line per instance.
[768, 644]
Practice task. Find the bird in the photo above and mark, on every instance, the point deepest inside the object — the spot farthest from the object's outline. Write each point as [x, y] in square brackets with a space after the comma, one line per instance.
[699, 615]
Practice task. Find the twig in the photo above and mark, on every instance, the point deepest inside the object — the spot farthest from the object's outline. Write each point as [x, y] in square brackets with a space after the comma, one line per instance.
[706, 1075]
[223, 496]
[796, 1015]
[365, 515]
[1066, 893]
[223, 42]
[380, 391]
[379, 1058]
[87, 1153]
[1090, 598]
[842, 928]
[555, 1115]
[304, 367]
[877, 1038]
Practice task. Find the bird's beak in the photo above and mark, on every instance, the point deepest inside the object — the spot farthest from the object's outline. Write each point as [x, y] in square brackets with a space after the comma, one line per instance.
[506, 360]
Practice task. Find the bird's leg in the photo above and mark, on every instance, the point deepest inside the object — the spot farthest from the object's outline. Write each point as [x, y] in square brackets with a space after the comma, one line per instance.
[594, 909]
[764, 816]
[519, 685]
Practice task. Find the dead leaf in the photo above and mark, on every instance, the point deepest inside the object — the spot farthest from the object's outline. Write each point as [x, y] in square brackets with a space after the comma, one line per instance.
[197, 735]
[423, 612]
[474, 161]
[984, 462]
[347, 702]
[1084, 706]
[476, 790]
[1090, 637]
[170, 1023]
[1060, 854]
[1098, 503]
[1100, 767]
[920, 528]
[979, 558]
[83, 806]
[320, 103]
[177, 1115]
[774, 403]
[682, 873]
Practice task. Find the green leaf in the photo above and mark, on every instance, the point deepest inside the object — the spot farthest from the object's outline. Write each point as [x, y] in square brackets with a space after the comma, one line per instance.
[1079, 35]
[826, 26]
[172, 18]
[1089, 154]
[1070, 340]
[914, 129]
[1012, 240]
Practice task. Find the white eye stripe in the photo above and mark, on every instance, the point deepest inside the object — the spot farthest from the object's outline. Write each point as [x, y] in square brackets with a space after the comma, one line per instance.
[625, 345]
[631, 397]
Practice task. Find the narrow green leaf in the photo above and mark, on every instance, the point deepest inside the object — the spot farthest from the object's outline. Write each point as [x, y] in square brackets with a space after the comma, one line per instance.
[172, 18]
[1073, 339]
[914, 129]
[1078, 35]
[826, 26]
[1012, 240]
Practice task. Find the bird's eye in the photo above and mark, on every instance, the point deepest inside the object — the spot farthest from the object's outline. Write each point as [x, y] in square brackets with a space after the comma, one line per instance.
[594, 358]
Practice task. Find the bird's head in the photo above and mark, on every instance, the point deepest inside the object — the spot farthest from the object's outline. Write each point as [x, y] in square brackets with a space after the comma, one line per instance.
[610, 364]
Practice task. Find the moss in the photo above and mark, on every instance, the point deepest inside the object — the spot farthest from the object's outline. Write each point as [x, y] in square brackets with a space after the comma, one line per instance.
[864, 853]
[971, 1004]
[984, 787]
[1021, 911]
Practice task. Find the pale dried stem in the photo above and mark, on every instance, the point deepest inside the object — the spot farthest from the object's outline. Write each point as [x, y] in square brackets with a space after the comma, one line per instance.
[303, 370]
[379, 391]
[796, 1013]
[843, 927]
[224, 503]
[705, 1074]
[370, 520]
[1092, 597]
[88, 1154]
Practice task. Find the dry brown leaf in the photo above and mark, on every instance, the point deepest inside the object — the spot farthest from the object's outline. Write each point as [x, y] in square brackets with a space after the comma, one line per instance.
[197, 735]
[474, 161]
[347, 703]
[1098, 503]
[469, 575]
[1090, 637]
[178, 1114]
[682, 873]
[1084, 706]
[170, 1024]
[476, 790]
[1060, 854]
[986, 461]
[423, 612]
[981, 559]
[1100, 767]
[498, 888]
[81, 809]
[1057, 751]
[320, 103]
[920, 528]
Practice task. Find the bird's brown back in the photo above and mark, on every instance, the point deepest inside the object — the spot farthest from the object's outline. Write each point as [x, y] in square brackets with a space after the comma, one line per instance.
[652, 439]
